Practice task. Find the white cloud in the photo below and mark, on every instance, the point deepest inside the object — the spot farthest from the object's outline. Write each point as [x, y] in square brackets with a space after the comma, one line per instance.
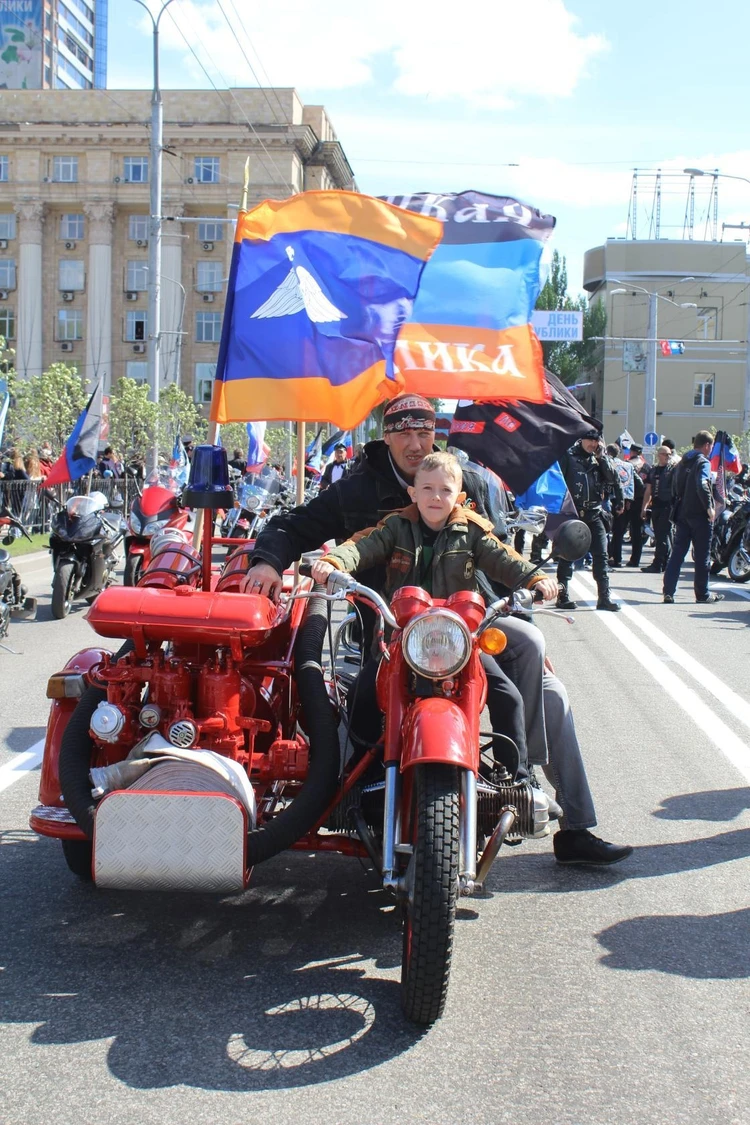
[489, 54]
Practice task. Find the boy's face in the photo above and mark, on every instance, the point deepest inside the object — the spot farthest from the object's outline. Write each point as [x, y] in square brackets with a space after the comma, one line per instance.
[436, 495]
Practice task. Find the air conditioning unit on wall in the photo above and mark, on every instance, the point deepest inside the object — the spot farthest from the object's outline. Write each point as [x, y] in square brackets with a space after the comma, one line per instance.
[208, 298]
[68, 296]
[141, 242]
[70, 245]
[139, 348]
[3, 243]
[66, 346]
[208, 246]
[131, 295]
[3, 294]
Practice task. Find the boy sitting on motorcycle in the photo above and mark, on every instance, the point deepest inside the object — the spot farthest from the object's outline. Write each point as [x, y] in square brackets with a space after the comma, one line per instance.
[438, 545]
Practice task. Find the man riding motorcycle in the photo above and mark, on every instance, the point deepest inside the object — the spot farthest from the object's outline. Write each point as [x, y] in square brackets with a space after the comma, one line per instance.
[360, 500]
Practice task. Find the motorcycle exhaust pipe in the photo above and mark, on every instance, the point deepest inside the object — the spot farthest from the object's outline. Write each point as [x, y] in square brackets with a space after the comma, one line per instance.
[495, 842]
[467, 844]
[390, 816]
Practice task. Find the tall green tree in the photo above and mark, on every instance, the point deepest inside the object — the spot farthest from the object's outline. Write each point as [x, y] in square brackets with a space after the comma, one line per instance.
[132, 418]
[45, 408]
[178, 415]
[578, 360]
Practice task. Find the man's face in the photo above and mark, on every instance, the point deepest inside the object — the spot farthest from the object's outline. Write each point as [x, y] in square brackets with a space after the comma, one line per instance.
[339, 455]
[409, 449]
[590, 445]
[663, 458]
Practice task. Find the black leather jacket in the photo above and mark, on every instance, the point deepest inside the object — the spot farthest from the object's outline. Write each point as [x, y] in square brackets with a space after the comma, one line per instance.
[589, 478]
[359, 500]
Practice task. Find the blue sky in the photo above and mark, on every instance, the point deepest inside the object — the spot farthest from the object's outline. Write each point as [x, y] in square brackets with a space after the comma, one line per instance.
[441, 98]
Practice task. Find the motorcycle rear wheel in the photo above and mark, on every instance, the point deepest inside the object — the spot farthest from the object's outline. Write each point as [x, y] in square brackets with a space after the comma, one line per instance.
[62, 589]
[78, 856]
[429, 912]
[133, 568]
[737, 569]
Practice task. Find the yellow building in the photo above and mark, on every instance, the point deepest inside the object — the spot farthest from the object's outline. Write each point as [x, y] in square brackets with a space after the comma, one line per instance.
[702, 385]
[74, 218]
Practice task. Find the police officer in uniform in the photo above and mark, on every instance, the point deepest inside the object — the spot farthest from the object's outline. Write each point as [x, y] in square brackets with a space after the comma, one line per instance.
[589, 475]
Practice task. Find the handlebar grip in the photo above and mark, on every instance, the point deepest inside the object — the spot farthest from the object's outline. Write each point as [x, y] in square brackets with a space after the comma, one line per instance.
[305, 570]
[537, 596]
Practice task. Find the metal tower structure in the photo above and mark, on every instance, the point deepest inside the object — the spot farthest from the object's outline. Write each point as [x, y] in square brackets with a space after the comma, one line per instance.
[667, 204]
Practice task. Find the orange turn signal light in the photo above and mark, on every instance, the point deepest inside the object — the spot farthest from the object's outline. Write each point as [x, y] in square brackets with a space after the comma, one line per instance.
[66, 685]
[493, 641]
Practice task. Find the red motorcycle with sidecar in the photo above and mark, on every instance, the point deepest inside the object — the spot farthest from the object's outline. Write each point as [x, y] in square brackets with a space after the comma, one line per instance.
[210, 741]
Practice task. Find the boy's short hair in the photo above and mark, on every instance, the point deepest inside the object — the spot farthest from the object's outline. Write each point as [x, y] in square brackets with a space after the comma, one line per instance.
[445, 461]
[703, 437]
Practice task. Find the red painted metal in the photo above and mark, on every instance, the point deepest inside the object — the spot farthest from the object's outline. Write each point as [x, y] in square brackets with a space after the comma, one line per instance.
[54, 828]
[438, 732]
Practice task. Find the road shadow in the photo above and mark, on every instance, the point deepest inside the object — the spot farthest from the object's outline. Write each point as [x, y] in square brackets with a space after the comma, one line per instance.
[272, 989]
[21, 738]
[711, 804]
[711, 947]
[539, 874]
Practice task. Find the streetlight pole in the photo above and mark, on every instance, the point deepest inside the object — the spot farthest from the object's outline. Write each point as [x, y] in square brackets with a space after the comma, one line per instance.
[746, 396]
[155, 222]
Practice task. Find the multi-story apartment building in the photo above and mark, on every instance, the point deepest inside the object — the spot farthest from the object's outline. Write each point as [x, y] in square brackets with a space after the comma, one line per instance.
[53, 44]
[699, 386]
[74, 219]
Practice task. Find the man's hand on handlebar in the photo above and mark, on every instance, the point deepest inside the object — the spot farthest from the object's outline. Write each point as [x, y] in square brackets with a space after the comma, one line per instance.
[263, 579]
[548, 589]
[320, 570]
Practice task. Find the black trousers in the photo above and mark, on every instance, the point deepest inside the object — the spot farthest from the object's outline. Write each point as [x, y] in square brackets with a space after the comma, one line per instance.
[599, 568]
[619, 525]
[663, 533]
[635, 523]
[504, 703]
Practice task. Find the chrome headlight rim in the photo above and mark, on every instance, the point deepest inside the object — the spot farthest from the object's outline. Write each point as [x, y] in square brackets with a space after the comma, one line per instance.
[437, 613]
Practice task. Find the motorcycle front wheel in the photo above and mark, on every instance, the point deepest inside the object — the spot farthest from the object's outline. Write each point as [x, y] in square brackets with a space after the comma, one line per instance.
[429, 911]
[62, 589]
[737, 568]
[133, 568]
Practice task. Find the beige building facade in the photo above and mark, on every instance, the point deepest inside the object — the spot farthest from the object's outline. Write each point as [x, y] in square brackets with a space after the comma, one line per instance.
[702, 385]
[74, 219]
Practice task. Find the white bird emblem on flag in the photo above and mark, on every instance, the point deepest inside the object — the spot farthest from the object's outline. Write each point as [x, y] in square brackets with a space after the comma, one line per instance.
[299, 290]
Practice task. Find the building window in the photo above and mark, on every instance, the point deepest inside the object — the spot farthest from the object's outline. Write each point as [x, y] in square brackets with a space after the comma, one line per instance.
[138, 228]
[7, 273]
[70, 324]
[206, 169]
[708, 323]
[7, 324]
[65, 169]
[47, 21]
[48, 76]
[71, 274]
[207, 327]
[704, 390]
[79, 28]
[71, 227]
[210, 232]
[137, 277]
[136, 169]
[48, 48]
[137, 370]
[84, 9]
[7, 224]
[4, 166]
[209, 277]
[136, 325]
[204, 381]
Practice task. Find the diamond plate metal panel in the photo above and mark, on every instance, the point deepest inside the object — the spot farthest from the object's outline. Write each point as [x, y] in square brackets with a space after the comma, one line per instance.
[170, 841]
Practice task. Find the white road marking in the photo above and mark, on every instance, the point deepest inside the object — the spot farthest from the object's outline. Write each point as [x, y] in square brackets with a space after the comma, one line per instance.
[685, 697]
[733, 702]
[20, 765]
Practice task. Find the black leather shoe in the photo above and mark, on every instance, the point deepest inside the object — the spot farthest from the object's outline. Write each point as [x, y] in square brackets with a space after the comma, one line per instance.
[669, 599]
[564, 602]
[710, 599]
[635, 564]
[581, 846]
[652, 569]
[607, 603]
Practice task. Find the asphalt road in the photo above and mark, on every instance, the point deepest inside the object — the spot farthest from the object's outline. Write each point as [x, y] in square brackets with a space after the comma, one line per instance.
[577, 997]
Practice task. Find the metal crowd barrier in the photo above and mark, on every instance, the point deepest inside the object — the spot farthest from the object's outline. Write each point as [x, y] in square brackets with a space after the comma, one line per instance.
[29, 501]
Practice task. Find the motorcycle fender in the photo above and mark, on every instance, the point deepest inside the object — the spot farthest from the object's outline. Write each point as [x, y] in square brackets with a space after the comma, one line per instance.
[136, 547]
[437, 732]
[60, 712]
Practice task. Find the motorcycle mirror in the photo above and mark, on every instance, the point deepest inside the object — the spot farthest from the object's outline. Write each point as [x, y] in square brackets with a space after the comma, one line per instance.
[572, 540]
[8, 539]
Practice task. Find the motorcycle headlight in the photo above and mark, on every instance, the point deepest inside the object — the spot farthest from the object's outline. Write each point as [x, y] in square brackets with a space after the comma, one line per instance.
[153, 527]
[436, 644]
[251, 503]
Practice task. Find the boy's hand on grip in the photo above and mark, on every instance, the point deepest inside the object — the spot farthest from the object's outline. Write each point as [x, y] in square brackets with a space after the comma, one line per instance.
[320, 571]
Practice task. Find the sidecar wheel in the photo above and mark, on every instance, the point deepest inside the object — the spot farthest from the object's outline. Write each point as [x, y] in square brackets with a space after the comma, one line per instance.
[78, 856]
[432, 882]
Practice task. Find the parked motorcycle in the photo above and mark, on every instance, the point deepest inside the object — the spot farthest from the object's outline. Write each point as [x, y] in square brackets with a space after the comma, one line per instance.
[84, 539]
[727, 541]
[258, 499]
[13, 598]
[216, 721]
[156, 508]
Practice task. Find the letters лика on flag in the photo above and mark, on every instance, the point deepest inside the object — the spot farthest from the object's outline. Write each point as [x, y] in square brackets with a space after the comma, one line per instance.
[319, 286]
[521, 440]
[82, 447]
[470, 333]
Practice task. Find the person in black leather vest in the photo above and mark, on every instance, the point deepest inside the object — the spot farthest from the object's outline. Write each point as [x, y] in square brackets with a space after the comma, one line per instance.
[589, 474]
[694, 513]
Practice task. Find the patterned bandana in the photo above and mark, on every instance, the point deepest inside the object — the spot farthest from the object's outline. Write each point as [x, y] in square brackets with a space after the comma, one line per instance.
[409, 412]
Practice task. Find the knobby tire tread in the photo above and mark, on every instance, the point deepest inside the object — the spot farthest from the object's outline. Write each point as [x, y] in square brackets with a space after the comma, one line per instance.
[426, 967]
